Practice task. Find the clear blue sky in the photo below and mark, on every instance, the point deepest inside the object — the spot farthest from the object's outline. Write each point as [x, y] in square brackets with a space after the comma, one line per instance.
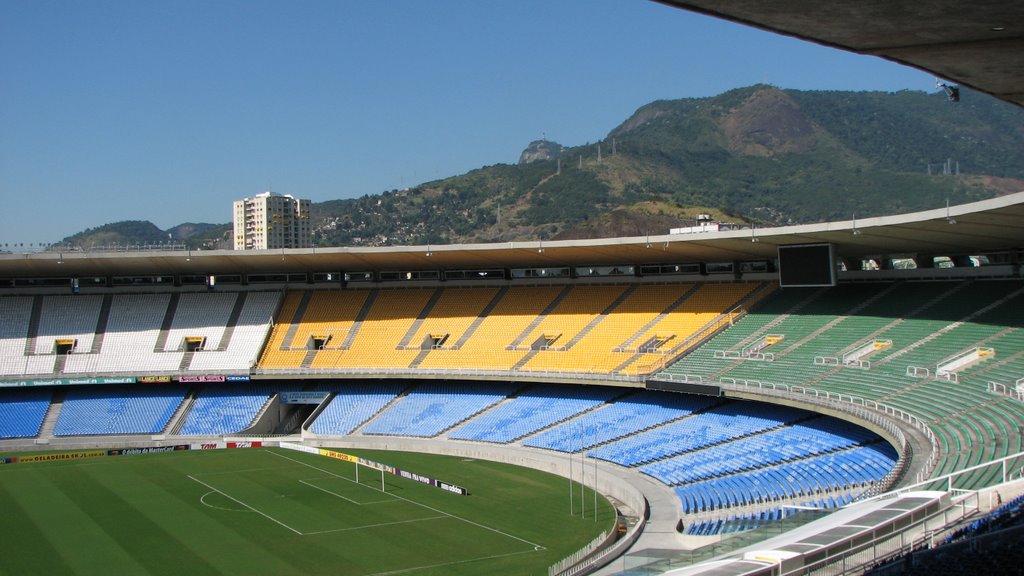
[169, 110]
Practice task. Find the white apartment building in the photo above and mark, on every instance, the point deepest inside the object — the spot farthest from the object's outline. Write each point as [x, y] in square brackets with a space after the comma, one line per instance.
[269, 220]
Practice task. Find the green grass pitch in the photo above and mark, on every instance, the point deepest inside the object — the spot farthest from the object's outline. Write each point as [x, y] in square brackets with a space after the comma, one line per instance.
[277, 512]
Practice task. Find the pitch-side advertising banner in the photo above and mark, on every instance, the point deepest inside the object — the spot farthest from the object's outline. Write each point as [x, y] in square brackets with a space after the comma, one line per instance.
[378, 466]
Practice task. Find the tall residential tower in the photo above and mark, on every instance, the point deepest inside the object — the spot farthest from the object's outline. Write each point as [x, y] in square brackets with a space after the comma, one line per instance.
[268, 221]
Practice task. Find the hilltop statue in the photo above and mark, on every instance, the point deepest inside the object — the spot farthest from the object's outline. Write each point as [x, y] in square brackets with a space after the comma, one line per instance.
[539, 151]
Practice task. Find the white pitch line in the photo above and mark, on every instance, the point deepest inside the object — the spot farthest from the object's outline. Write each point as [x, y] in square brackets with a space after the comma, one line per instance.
[230, 497]
[226, 472]
[416, 568]
[477, 524]
[350, 529]
[203, 501]
[311, 485]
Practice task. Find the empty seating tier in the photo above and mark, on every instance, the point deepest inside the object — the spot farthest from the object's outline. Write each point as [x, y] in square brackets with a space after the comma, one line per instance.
[582, 328]
[22, 412]
[433, 408]
[225, 409]
[352, 405]
[529, 412]
[923, 325]
[117, 410]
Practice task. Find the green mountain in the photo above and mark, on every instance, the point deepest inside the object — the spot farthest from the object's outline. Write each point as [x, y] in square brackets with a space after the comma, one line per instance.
[139, 233]
[757, 154]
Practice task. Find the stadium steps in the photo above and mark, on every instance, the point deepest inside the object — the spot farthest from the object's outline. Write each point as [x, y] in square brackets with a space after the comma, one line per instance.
[763, 330]
[931, 334]
[419, 358]
[307, 361]
[398, 398]
[364, 311]
[260, 413]
[33, 326]
[731, 439]
[101, 324]
[647, 327]
[767, 328]
[665, 423]
[811, 455]
[165, 326]
[236, 313]
[296, 319]
[610, 401]
[840, 496]
[1002, 370]
[654, 321]
[511, 398]
[536, 322]
[696, 338]
[443, 434]
[177, 419]
[999, 428]
[479, 319]
[186, 360]
[304, 428]
[600, 317]
[962, 322]
[59, 362]
[838, 320]
[414, 328]
[762, 291]
[522, 361]
[52, 414]
[657, 425]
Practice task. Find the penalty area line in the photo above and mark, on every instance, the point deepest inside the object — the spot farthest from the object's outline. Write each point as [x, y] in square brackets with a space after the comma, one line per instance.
[353, 528]
[457, 562]
[236, 500]
[335, 494]
[536, 547]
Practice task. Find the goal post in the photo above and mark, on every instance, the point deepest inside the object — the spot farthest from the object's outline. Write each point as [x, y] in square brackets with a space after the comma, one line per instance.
[373, 468]
[382, 468]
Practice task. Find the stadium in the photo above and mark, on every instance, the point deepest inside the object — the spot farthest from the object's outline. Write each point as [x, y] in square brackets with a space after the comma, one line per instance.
[830, 398]
[721, 389]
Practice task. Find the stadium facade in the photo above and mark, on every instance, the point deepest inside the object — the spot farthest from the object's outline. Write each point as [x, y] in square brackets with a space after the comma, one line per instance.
[711, 399]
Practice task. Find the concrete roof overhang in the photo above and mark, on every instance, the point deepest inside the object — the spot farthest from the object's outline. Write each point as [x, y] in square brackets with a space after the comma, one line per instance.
[979, 44]
[993, 225]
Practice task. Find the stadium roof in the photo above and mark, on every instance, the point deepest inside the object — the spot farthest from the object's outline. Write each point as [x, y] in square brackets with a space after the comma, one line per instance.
[978, 44]
[993, 225]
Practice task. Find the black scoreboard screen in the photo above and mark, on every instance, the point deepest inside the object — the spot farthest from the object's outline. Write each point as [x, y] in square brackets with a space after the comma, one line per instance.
[807, 265]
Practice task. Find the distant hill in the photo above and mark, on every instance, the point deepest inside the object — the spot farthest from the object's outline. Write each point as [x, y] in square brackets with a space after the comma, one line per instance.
[144, 233]
[757, 154]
